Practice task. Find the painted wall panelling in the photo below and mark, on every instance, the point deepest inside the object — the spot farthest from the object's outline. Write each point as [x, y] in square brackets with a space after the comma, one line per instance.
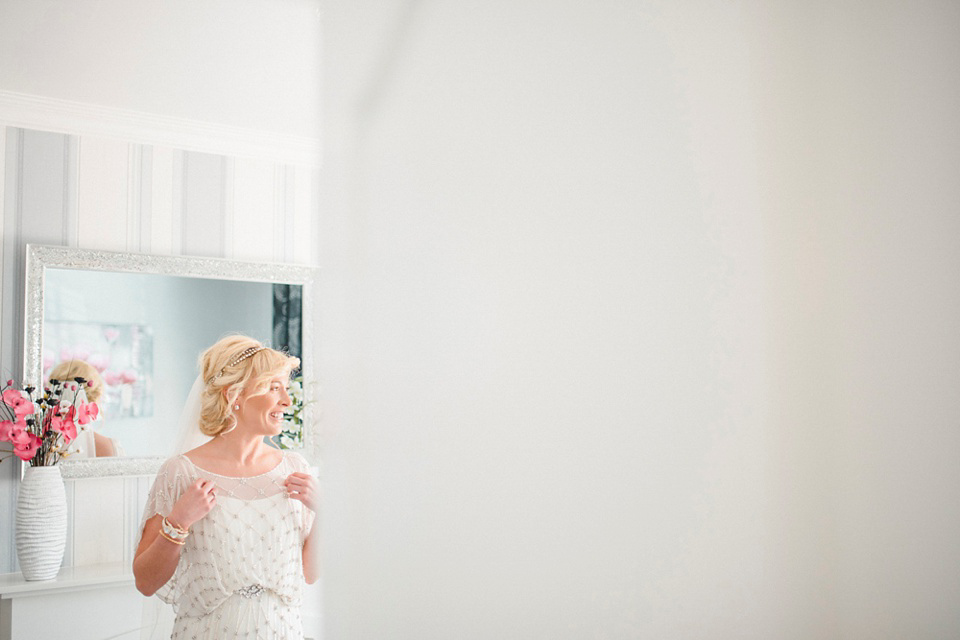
[157, 211]
[104, 194]
[302, 221]
[203, 205]
[98, 521]
[253, 203]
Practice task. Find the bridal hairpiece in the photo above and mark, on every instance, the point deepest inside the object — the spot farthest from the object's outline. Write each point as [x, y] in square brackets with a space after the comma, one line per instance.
[246, 353]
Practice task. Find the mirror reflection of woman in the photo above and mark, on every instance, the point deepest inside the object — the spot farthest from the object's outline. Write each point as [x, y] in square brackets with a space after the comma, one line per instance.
[226, 532]
[89, 442]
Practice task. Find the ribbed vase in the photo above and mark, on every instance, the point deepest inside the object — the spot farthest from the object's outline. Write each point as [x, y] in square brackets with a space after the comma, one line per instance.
[41, 529]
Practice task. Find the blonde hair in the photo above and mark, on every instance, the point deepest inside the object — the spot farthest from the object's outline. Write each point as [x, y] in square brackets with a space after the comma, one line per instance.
[70, 370]
[227, 376]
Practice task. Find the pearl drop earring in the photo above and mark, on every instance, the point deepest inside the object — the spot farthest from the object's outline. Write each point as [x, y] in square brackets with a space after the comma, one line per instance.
[236, 407]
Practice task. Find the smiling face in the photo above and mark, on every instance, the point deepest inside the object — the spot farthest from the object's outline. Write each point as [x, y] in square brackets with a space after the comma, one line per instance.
[263, 412]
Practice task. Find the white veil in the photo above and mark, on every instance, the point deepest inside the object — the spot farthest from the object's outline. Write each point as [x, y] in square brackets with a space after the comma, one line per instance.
[189, 435]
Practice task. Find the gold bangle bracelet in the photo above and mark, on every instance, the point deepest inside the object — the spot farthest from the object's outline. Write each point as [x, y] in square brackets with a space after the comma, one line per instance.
[173, 526]
[173, 530]
[176, 542]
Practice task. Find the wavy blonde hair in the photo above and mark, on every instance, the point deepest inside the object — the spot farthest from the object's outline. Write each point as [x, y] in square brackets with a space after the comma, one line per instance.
[225, 383]
[70, 370]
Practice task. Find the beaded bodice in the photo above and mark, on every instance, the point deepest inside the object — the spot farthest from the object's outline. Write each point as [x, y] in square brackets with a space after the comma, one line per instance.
[248, 545]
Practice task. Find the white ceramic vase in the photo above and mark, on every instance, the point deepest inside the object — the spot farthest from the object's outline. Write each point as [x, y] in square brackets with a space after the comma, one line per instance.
[41, 529]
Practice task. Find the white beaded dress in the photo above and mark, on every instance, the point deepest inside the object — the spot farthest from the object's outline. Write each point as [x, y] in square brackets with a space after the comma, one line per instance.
[240, 574]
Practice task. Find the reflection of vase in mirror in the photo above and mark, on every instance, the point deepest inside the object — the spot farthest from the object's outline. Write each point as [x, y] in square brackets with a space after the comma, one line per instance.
[88, 443]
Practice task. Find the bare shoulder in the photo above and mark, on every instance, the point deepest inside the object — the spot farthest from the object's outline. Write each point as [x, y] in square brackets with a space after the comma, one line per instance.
[221, 460]
[202, 456]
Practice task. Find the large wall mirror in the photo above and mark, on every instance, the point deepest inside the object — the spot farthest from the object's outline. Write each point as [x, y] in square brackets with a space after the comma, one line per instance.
[142, 321]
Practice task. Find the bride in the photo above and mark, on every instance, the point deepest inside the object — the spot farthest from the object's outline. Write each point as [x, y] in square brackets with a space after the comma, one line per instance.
[225, 536]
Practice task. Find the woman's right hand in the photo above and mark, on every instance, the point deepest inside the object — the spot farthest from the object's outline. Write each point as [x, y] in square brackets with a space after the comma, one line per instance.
[194, 504]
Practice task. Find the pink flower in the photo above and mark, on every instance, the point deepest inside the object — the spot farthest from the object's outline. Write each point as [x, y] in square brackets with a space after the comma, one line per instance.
[111, 334]
[6, 430]
[26, 447]
[19, 434]
[129, 376]
[19, 402]
[112, 378]
[64, 425]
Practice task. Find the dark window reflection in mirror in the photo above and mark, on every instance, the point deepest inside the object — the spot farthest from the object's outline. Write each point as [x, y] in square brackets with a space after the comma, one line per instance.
[287, 318]
[144, 332]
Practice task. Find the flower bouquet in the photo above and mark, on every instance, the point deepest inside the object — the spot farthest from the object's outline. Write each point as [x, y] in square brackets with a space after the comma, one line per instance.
[41, 429]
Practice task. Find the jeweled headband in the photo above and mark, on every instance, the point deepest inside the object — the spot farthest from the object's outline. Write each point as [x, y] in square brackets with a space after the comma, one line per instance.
[246, 353]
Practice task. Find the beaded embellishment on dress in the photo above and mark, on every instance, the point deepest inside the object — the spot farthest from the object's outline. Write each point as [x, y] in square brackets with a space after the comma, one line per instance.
[240, 575]
[250, 591]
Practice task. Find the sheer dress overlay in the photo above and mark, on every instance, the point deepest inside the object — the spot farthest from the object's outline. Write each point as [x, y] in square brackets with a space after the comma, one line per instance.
[240, 573]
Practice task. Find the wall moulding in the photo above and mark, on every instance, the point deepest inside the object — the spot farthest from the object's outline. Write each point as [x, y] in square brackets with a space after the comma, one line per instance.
[79, 118]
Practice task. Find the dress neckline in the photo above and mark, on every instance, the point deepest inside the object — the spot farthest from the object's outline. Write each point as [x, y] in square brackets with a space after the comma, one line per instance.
[283, 456]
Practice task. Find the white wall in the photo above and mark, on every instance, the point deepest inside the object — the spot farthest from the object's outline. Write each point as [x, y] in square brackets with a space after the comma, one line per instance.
[243, 63]
[639, 320]
[890, 202]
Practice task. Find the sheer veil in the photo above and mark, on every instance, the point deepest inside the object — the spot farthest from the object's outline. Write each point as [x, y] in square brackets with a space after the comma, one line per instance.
[189, 435]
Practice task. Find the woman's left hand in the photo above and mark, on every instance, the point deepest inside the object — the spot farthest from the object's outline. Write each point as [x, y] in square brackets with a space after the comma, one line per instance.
[303, 487]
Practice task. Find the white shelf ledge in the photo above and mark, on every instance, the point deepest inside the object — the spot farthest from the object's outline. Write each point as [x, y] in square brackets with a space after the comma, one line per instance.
[13, 585]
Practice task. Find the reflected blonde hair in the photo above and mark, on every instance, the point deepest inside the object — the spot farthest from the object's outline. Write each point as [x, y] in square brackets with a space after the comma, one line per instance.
[70, 370]
[226, 378]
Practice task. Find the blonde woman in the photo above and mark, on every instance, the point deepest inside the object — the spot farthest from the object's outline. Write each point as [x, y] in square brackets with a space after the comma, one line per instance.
[89, 443]
[225, 536]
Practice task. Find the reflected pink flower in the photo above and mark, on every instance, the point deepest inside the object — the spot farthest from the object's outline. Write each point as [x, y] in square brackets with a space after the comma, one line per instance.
[82, 352]
[111, 334]
[129, 376]
[66, 354]
[112, 378]
[99, 362]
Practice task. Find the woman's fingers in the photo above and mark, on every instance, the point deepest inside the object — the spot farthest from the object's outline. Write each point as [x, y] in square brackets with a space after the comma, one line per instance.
[296, 483]
[302, 487]
[195, 503]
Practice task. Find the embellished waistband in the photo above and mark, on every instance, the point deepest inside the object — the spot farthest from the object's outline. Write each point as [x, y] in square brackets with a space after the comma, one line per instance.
[259, 591]
[250, 591]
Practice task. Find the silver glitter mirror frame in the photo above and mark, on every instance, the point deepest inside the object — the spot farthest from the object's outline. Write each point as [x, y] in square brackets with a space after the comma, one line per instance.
[42, 258]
